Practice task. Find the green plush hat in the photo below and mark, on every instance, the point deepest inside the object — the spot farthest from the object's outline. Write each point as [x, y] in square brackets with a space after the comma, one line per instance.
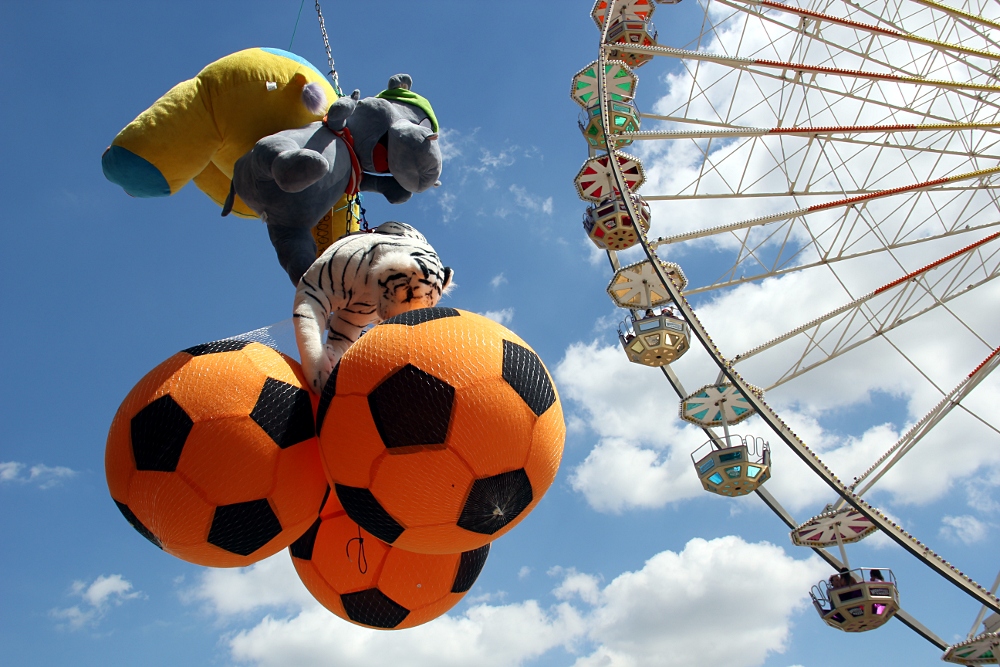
[409, 97]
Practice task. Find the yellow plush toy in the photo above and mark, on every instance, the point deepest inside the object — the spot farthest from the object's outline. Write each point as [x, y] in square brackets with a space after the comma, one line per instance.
[201, 126]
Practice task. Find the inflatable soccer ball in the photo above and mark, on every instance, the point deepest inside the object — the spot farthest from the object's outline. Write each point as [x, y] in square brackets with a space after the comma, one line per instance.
[440, 430]
[213, 457]
[367, 582]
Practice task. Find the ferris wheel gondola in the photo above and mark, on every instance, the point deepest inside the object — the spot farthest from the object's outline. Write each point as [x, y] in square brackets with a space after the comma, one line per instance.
[979, 648]
[734, 465]
[877, 166]
[857, 600]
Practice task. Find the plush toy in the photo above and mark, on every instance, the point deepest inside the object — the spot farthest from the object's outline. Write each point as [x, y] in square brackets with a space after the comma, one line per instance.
[201, 126]
[383, 144]
[362, 279]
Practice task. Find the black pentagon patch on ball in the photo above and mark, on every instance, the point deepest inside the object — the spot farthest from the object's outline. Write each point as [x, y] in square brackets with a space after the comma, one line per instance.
[365, 510]
[412, 407]
[242, 528]
[412, 318]
[495, 501]
[469, 567]
[523, 370]
[135, 523]
[215, 347]
[303, 547]
[284, 411]
[158, 433]
[373, 607]
[329, 391]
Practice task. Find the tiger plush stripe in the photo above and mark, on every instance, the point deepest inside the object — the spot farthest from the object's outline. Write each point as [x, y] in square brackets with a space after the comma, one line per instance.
[362, 279]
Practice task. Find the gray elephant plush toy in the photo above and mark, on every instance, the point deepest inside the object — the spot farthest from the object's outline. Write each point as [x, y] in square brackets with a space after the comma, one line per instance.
[291, 179]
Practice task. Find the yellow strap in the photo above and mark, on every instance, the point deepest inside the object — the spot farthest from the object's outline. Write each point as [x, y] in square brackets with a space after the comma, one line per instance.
[339, 221]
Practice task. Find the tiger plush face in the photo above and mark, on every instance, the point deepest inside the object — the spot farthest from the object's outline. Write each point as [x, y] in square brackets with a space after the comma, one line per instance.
[407, 282]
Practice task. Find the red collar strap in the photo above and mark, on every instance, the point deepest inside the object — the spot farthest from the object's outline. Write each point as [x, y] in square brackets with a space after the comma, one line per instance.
[354, 185]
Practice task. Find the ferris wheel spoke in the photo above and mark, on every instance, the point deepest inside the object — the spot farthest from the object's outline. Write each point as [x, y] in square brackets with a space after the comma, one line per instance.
[848, 202]
[781, 194]
[747, 64]
[785, 150]
[788, 152]
[778, 267]
[975, 25]
[884, 309]
[909, 439]
[737, 131]
[853, 6]
[830, 96]
[862, 46]
[874, 29]
[971, 18]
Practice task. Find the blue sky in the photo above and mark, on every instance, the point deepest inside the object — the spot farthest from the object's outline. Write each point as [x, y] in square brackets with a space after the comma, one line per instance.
[97, 288]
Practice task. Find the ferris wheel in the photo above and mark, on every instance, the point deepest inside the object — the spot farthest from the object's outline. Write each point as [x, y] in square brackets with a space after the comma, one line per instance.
[843, 153]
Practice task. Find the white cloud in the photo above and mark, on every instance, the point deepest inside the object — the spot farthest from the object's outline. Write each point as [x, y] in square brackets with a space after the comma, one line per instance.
[504, 158]
[498, 280]
[482, 636]
[595, 256]
[967, 529]
[44, 476]
[641, 458]
[450, 141]
[502, 316]
[524, 572]
[577, 585]
[978, 493]
[665, 613]
[446, 201]
[97, 598]
[271, 583]
[530, 202]
[618, 474]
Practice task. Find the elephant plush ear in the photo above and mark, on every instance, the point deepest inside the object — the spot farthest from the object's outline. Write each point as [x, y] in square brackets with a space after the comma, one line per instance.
[400, 81]
[341, 110]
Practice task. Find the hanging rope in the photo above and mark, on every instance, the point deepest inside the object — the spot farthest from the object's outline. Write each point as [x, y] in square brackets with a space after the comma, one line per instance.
[329, 53]
[297, 17]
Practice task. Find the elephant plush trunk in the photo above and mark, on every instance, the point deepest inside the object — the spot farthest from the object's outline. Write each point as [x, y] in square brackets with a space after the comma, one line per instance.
[414, 156]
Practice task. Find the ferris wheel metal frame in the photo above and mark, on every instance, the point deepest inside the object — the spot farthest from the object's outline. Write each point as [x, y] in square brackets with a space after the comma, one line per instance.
[888, 317]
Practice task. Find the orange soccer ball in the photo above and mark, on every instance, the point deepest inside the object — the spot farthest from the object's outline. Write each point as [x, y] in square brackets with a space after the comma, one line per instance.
[440, 431]
[213, 456]
[365, 581]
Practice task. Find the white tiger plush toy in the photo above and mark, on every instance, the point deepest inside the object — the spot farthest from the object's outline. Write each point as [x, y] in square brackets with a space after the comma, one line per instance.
[362, 279]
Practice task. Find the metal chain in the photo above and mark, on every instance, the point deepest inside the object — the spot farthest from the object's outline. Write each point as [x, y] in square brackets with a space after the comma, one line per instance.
[329, 53]
[358, 200]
